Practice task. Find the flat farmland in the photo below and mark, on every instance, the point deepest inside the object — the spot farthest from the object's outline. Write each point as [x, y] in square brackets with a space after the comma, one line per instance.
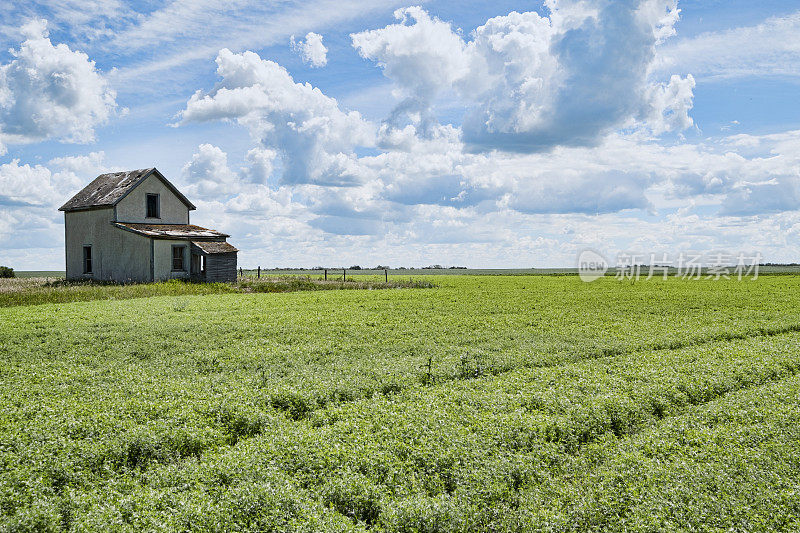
[505, 403]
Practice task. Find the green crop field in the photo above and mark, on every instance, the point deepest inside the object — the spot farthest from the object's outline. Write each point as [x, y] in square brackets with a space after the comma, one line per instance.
[481, 403]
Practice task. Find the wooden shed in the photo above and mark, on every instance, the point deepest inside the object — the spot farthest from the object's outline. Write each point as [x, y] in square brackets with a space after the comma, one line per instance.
[213, 261]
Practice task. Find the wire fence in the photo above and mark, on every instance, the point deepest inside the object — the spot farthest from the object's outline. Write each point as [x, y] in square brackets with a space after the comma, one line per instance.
[324, 274]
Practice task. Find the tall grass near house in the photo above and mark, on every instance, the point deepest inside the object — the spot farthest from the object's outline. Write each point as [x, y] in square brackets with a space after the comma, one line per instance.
[32, 291]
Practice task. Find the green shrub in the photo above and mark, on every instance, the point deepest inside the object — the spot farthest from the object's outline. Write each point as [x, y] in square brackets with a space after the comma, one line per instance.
[6, 272]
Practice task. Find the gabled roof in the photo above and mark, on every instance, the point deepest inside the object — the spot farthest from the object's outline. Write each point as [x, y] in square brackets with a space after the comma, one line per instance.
[215, 247]
[171, 231]
[108, 189]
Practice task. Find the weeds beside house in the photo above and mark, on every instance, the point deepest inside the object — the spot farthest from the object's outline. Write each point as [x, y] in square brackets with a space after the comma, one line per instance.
[33, 291]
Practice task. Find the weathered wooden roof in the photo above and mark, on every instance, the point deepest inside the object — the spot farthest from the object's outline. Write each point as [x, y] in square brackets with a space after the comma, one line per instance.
[171, 231]
[106, 190]
[215, 247]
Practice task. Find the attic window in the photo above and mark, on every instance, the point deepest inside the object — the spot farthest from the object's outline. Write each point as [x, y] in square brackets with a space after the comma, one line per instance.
[153, 206]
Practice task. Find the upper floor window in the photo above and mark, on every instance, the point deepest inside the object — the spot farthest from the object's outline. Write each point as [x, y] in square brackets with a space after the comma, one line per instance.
[153, 206]
[87, 259]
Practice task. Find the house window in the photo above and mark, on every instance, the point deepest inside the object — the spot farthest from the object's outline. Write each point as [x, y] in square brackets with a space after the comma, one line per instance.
[177, 257]
[153, 206]
[87, 259]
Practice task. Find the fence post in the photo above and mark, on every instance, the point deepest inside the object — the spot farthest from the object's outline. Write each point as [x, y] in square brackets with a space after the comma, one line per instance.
[386, 274]
[326, 274]
[259, 272]
[241, 275]
[344, 274]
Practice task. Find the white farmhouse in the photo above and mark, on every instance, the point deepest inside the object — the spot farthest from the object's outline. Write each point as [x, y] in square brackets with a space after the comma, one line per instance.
[134, 226]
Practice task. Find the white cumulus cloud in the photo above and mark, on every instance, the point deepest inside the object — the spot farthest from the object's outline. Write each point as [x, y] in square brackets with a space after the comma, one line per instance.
[554, 97]
[667, 105]
[31, 194]
[311, 50]
[261, 162]
[587, 78]
[26, 185]
[421, 54]
[314, 137]
[208, 174]
[49, 91]
[530, 83]
[775, 195]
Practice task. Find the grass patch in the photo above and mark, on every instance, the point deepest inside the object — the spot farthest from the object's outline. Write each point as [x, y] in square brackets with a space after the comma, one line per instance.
[298, 283]
[34, 291]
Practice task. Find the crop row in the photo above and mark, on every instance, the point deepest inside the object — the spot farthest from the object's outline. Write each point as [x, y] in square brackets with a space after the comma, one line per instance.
[730, 465]
[306, 350]
[471, 454]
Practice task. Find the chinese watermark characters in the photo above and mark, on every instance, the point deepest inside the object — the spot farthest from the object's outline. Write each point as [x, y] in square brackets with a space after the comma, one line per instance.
[686, 265]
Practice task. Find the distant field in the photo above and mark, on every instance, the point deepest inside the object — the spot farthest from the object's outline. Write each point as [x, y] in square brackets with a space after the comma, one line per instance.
[421, 272]
[482, 271]
[488, 403]
[40, 273]
[416, 272]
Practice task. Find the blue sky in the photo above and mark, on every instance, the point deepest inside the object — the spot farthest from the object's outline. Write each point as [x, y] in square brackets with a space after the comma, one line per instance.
[487, 134]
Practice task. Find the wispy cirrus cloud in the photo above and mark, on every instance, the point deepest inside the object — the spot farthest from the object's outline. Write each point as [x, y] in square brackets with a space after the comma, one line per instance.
[180, 33]
[79, 21]
[770, 48]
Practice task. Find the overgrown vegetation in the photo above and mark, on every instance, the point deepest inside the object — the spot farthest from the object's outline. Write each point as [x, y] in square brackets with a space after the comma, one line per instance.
[32, 291]
[6, 272]
[489, 404]
[308, 283]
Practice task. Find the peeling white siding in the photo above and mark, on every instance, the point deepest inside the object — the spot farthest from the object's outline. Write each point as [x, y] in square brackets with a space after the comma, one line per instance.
[162, 264]
[117, 255]
[132, 208]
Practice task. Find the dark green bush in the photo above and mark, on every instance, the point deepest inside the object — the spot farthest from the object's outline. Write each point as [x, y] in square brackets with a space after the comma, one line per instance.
[6, 272]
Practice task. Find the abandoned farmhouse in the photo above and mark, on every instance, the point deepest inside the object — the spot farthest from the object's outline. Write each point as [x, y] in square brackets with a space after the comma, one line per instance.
[134, 226]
